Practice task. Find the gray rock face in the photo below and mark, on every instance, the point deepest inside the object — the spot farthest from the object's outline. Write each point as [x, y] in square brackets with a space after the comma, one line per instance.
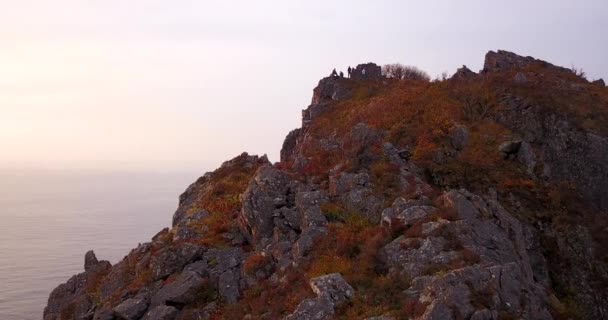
[192, 194]
[332, 290]
[131, 309]
[161, 313]
[504, 60]
[479, 254]
[367, 71]
[564, 152]
[331, 89]
[282, 216]
[356, 192]
[184, 290]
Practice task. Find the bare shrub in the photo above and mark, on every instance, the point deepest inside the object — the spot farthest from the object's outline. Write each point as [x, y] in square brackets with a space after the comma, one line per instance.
[403, 72]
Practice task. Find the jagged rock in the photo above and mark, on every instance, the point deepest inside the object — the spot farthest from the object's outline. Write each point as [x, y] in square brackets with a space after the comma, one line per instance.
[332, 290]
[408, 216]
[331, 89]
[356, 193]
[183, 290]
[367, 71]
[71, 297]
[281, 215]
[460, 137]
[173, 258]
[562, 148]
[269, 189]
[463, 73]
[289, 145]
[161, 313]
[599, 82]
[90, 260]
[480, 251]
[131, 309]
[190, 197]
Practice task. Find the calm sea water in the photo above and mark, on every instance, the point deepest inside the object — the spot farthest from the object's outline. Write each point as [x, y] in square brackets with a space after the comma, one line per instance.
[48, 220]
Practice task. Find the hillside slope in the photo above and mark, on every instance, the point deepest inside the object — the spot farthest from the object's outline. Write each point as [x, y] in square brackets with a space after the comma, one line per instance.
[482, 196]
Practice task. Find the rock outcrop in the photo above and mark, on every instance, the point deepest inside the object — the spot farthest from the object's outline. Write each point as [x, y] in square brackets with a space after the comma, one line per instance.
[394, 200]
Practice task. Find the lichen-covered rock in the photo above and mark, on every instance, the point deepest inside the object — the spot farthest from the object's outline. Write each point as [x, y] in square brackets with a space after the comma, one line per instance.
[173, 258]
[332, 291]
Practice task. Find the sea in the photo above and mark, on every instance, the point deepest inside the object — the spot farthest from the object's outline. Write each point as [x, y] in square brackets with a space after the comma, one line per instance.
[50, 218]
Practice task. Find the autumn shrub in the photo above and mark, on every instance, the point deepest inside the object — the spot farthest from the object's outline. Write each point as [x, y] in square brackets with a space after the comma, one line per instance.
[269, 299]
[255, 262]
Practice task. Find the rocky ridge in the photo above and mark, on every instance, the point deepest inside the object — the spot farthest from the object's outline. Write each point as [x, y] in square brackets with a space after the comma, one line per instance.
[370, 217]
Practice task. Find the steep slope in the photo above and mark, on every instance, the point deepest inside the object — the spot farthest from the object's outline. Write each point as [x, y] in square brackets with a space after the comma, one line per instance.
[477, 197]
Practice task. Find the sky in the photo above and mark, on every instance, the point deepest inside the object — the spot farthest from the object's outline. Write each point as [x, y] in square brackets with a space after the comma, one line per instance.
[171, 85]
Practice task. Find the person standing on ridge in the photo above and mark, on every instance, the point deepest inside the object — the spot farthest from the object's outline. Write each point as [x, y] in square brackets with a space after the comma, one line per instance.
[349, 71]
[341, 74]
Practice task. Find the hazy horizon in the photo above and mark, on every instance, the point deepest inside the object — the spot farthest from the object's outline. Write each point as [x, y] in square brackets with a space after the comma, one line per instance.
[153, 85]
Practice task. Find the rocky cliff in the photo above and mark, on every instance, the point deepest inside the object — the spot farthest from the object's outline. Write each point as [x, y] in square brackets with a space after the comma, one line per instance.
[482, 196]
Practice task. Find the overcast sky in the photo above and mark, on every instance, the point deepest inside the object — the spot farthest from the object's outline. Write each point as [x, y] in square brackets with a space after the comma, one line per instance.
[170, 85]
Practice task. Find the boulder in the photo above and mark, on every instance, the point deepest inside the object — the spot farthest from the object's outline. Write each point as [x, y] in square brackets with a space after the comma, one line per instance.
[71, 297]
[161, 313]
[183, 290]
[332, 291]
[131, 309]
[173, 258]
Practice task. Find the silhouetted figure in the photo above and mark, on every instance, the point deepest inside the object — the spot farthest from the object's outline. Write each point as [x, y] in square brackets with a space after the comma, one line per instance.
[334, 73]
[350, 71]
[341, 74]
